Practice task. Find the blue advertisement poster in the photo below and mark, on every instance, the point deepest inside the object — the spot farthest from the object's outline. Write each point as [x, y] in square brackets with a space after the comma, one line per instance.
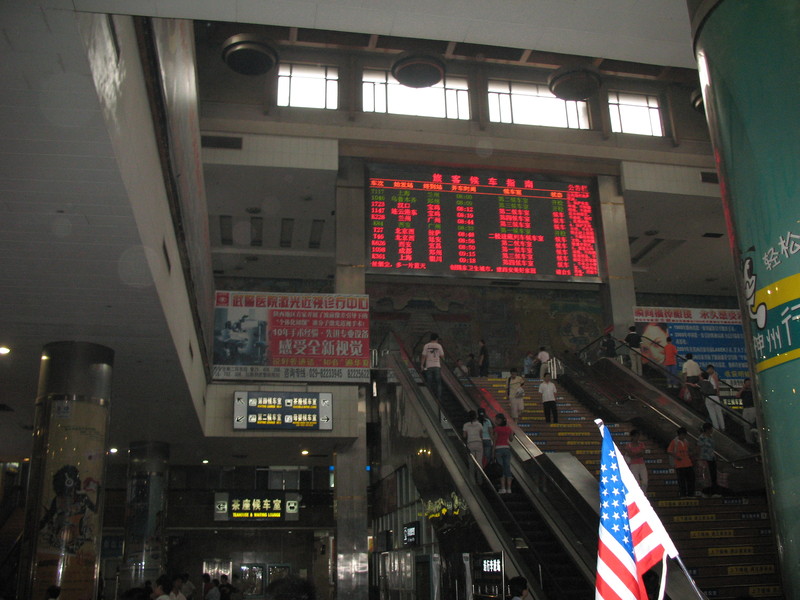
[713, 336]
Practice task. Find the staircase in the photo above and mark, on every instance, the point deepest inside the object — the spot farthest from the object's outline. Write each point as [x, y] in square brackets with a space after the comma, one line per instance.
[725, 542]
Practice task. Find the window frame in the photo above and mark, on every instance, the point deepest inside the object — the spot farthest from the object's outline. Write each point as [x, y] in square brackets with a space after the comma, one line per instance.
[502, 106]
[652, 103]
[284, 95]
[454, 91]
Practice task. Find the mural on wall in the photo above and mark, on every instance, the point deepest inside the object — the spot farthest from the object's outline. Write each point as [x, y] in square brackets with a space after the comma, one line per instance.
[511, 321]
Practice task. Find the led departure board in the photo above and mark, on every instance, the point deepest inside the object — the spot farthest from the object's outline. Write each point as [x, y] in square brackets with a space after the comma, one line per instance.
[428, 220]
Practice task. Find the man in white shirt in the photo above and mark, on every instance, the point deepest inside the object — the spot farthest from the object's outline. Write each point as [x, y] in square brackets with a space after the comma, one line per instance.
[431, 363]
[548, 391]
[516, 394]
[543, 357]
[691, 370]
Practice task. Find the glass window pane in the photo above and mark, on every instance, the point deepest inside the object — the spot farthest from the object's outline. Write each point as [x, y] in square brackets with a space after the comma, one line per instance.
[457, 83]
[494, 108]
[309, 93]
[527, 89]
[616, 125]
[463, 104]
[372, 75]
[498, 86]
[380, 98]
[635, 119]
[507, 115]
[284, 84]
[632, 99]
[332, 99]
[583, 115]
[451, 104]
[655, 123]
[308, 71]
[367, 97]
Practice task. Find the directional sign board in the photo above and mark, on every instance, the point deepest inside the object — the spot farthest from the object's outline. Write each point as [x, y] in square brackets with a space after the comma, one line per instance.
[285, 411]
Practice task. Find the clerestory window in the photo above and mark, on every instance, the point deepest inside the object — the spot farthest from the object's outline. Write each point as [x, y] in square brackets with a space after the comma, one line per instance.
[382, 93]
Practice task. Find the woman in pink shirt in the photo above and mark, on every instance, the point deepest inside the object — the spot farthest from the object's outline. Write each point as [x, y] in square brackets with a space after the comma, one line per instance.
[502, 451]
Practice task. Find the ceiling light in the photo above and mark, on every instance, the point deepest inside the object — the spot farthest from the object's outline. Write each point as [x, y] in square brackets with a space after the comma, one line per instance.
[5, 350]
[304, 452]
[112, 450]
[205, 461]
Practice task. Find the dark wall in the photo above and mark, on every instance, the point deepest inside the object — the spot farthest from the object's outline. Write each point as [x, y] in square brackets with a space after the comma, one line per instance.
[512, 321]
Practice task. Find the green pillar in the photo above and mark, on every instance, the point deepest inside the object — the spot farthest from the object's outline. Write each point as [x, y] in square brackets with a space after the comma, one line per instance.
[748, 53]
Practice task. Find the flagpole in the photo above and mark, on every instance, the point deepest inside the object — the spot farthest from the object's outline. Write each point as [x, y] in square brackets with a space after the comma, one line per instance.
[697, 590]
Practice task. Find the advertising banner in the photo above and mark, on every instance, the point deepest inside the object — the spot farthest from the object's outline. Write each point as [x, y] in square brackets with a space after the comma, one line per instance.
[713, 336]
[291, 337]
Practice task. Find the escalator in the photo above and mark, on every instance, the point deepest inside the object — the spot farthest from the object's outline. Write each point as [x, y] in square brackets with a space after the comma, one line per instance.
[547, 533]
[615, 393]
[547, 527]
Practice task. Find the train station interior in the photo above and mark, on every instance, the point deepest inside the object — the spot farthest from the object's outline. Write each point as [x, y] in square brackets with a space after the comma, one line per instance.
[212, 211]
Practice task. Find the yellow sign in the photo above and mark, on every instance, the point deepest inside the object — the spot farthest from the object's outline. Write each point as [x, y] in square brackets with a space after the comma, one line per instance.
[711, 533]
[732, 551]
[752, 570]
[693, 518]
[762, 591]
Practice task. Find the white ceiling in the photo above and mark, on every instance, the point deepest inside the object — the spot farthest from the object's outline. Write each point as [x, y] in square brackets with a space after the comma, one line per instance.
[72, 266]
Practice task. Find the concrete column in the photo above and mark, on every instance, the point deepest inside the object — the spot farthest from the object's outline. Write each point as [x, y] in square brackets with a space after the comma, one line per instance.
[619, 294]
[352, 479]
[747, 53]
[144, 556]
[351, 253]
[63, 518]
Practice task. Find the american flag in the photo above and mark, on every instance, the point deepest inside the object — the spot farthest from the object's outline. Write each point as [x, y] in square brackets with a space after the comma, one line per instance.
[632, 538]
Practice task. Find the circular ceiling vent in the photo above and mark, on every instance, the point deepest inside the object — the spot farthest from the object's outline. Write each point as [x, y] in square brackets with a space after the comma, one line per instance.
[248, 54]
[574, 82]
[418, 70]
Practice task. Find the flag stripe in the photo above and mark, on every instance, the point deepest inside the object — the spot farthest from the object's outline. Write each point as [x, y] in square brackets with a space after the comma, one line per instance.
[624, 574]
[632, 538]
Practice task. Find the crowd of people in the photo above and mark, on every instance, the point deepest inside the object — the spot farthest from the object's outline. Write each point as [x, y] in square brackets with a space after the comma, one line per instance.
[180, 587]
[488, 441]
[697, 386]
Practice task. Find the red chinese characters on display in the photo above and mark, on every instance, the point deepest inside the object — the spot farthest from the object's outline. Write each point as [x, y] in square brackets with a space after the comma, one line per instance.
[516, 241]
[560, 232]
[465, 225]
[445, 222]
[434, 232]
[584, 252]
